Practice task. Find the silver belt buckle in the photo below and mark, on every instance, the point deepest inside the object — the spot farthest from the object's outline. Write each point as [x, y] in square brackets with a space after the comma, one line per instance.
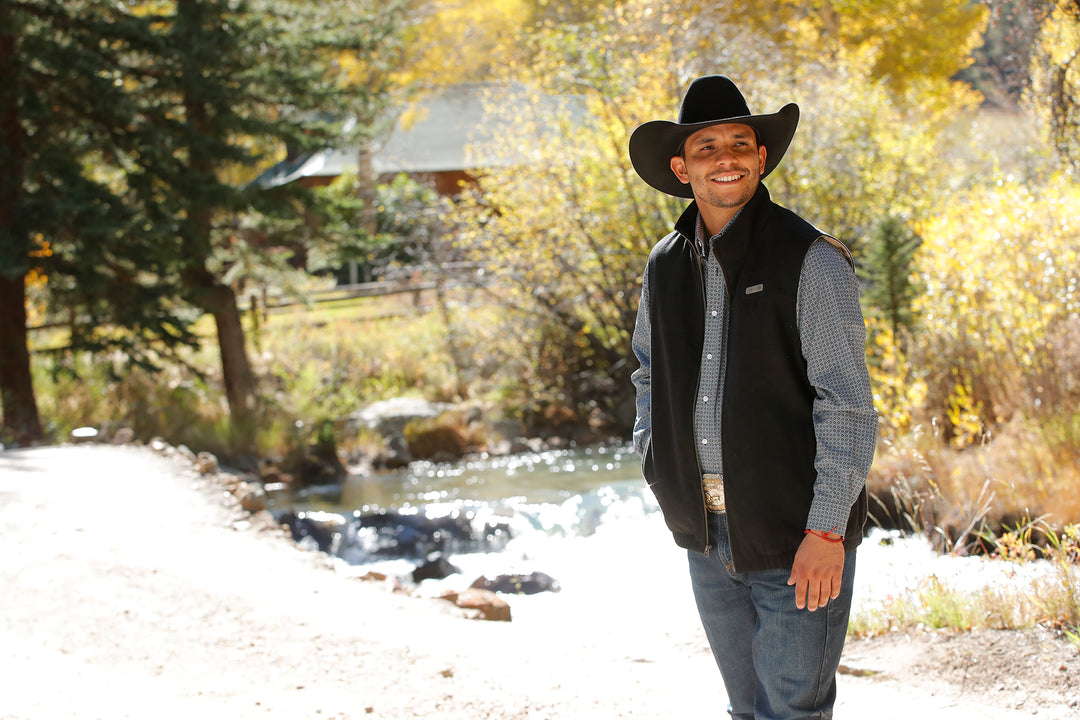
[713, 485]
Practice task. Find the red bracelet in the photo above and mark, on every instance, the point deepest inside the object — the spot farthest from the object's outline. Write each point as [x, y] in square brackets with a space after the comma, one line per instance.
[823, 536]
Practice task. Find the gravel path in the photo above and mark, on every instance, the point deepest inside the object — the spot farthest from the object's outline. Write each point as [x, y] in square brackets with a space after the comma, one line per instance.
[130, 587]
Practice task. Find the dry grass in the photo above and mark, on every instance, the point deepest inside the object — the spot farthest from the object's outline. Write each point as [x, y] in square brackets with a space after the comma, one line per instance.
[935, 605]
[315, 363]
[1051, 600]
[1021, 472]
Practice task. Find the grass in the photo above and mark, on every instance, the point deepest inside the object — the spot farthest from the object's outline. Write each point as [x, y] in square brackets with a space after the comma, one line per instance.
[957, 497]
[1050, 600]
[315, 363]
[935, 605]
[179, 404]
[1012, 498]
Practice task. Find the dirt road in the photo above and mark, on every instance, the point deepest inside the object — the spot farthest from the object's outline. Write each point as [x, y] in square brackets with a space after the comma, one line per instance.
[129, 588]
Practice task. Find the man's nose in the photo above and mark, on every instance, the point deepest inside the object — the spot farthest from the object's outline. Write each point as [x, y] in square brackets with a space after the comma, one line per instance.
[725, 156]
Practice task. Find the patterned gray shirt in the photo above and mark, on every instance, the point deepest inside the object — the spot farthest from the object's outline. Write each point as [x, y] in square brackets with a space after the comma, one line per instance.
[833, 339]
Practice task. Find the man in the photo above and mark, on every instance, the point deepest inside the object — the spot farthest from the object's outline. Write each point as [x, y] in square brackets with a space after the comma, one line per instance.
[755, 420]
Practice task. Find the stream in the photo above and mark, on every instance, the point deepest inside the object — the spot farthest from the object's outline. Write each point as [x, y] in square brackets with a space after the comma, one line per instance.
[543, 512]
[585, 520]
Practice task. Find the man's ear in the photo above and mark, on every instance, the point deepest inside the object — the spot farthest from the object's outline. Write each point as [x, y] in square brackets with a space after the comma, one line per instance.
[678, 166]
[761, 155]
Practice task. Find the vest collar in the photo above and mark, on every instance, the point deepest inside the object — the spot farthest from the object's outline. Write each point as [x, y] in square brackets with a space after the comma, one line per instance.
[686, 225]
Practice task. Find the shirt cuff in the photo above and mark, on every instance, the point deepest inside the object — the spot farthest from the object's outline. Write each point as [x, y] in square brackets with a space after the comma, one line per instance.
[827, 517]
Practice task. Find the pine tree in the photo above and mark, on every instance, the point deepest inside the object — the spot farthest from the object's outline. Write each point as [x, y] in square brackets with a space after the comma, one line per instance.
[889, 273]
[125, 131]
[64, 121]
[228, 77]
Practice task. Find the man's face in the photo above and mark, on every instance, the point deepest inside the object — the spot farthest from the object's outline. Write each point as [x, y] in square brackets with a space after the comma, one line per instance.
[722, 164]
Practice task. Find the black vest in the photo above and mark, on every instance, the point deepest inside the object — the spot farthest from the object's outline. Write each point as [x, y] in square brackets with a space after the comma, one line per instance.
[767, 425]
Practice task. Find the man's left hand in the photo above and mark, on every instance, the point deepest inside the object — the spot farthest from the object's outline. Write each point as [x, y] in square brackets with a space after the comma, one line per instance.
[817, 571]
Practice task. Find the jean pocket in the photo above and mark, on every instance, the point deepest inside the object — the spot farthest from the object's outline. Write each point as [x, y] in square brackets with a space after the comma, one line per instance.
[721, 541]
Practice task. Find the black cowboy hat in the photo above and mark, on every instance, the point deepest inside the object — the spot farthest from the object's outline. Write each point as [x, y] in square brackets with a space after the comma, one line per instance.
[710, 100]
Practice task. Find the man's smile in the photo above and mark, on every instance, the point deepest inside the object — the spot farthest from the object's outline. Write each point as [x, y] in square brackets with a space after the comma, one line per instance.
[728, 177]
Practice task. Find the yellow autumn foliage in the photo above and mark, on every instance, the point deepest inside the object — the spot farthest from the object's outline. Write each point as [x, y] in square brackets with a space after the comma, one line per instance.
[899, 392]
[563, 227]
[861, 153]
[905, 42]
[1000, 328]
[453, 41]
[36, 281]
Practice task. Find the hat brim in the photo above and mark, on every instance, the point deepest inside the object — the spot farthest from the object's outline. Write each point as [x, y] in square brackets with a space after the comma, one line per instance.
[653, 144]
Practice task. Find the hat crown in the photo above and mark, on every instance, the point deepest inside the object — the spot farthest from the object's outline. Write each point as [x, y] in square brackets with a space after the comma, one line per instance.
[713, 97]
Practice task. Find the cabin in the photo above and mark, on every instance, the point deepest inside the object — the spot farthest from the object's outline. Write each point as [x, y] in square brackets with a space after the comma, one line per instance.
[440, 141]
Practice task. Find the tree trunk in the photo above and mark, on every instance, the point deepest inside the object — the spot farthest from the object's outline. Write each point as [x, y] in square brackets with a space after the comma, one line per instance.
[205, 290]
[17, 400]
[236, 368]
[1062, 112]
[220, 301]
[365, 177]
[21, 419]
[462, 390]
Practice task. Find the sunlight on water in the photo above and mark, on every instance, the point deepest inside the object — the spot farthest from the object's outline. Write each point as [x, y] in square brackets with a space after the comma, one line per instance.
[547, 477]
[519, 510]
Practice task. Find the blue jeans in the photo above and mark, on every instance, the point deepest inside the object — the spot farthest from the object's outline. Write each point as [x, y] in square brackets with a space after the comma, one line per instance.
[778, 662]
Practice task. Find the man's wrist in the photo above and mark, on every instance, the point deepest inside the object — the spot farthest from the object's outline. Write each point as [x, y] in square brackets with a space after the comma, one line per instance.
[827, 535]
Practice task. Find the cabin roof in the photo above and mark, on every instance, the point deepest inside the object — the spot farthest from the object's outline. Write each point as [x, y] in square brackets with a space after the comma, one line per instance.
[454, 129]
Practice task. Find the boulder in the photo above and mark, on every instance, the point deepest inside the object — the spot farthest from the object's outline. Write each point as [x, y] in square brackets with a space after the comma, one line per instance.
[229, 481]
[483, 605]
[389, 417]
[124, 436]
[252, 497]
[263, 521]
[273, 478]
[84, 434]
[186, 453]
[372, 576]
[206, 463]
[519, 584]
[436, 567]
[323, 528]
[436, 441]
[523, 446]
[394, 456]
[308, 470]
[397, 534]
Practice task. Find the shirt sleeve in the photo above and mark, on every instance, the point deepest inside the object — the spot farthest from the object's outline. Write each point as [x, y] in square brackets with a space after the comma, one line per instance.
[642, 377]
[845, 422]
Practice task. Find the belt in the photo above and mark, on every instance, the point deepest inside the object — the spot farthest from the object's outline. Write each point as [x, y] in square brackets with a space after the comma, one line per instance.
[714, 492]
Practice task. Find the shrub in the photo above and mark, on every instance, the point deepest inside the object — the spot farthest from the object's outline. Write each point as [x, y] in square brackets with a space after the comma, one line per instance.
[1000, 317]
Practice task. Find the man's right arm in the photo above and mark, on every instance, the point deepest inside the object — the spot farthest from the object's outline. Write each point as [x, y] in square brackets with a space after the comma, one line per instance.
[642, 377]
